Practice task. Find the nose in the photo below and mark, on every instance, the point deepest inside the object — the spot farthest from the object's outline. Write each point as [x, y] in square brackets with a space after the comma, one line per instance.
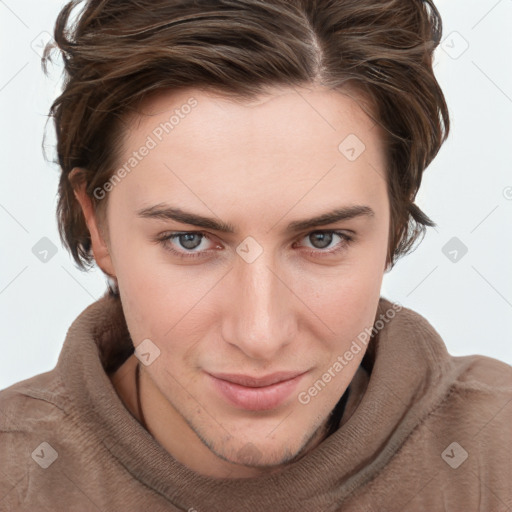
[259, 317]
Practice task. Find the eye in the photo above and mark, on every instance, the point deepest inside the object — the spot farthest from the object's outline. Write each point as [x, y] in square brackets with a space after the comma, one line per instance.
[183, 244]
[321, 240]
[186, 241]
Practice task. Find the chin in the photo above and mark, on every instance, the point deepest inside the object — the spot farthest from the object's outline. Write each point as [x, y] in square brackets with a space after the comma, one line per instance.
[259, 452]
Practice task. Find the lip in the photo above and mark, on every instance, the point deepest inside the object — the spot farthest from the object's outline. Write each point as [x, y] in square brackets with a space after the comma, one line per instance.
[256, 393]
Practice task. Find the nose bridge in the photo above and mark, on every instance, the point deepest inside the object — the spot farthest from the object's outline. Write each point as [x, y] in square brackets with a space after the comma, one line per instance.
[260, 313]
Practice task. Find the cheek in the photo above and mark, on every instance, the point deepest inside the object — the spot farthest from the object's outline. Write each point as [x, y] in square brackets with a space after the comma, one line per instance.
[346, 300]
[147, 292]
[164, 303]
[350, 306]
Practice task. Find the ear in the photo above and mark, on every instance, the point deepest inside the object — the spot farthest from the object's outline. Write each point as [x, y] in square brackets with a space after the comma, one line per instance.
[99, 245]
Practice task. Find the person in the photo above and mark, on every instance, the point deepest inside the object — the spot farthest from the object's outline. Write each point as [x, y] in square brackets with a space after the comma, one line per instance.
[244, 173]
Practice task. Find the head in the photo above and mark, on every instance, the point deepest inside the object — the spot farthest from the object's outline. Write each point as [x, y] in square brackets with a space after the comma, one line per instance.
[192, 169]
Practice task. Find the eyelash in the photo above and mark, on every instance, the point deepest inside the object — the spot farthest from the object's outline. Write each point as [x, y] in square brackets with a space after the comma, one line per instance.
[167, 237]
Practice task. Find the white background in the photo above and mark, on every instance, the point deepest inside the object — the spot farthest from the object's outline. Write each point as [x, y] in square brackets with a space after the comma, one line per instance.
[467, 191]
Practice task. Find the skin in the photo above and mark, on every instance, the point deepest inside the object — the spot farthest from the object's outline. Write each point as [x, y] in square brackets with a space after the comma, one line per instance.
[257, 165]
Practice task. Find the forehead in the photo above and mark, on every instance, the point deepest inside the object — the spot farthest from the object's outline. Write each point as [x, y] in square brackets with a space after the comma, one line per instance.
[212, 146]
[295, 115]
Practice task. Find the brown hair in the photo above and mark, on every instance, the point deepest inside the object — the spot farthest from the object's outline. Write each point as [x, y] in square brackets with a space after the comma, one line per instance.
[117, 52]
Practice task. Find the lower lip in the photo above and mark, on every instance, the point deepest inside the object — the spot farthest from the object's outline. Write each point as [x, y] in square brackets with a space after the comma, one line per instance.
[256, 399]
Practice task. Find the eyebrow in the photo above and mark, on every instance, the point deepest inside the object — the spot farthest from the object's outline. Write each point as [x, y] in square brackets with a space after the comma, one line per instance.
[166, 212]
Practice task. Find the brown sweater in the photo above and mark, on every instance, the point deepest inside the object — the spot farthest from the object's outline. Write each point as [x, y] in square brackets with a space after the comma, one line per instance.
[426, 432]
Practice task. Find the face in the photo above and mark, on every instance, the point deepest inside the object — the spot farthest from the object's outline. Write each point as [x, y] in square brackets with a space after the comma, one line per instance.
[219, 268]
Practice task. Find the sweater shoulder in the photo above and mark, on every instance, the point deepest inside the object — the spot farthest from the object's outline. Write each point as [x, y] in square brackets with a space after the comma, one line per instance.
[31, 412]
[477, 409]
[480, 387]
[483, 375]
[29, 404]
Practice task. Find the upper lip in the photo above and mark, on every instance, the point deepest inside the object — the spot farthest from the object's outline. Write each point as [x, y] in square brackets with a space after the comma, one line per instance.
[257, 382]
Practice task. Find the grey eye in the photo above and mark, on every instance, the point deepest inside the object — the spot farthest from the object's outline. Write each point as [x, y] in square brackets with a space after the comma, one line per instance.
[320, 239]
[187, 240]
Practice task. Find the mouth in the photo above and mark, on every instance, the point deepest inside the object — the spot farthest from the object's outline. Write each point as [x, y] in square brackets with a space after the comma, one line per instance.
[256, 393]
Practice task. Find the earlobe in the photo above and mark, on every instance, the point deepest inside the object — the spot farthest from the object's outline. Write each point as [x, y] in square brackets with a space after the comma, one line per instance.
[98, 243]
